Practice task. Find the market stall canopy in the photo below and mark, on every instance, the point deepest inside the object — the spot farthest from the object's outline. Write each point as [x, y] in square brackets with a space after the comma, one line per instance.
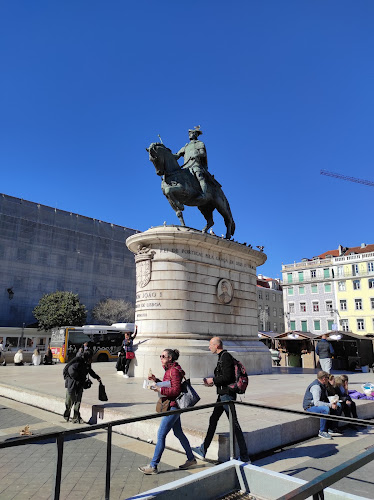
[296, 335]
[340, 335]
[267, 335]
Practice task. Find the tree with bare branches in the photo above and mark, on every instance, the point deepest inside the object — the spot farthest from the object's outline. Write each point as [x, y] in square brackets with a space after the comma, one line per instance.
[110, 311]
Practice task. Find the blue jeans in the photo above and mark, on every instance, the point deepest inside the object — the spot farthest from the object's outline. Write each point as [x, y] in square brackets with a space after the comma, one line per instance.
[323, 427]
[167, 423]
[213, 421]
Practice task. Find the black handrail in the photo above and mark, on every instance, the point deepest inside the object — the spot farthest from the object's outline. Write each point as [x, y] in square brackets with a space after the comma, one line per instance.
[299, 494]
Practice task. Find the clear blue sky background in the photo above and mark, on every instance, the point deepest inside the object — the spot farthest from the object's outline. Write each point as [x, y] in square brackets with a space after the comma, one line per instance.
[281, 90]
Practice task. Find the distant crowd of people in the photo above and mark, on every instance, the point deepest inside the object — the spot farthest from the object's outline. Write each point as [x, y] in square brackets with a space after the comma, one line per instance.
[36, 358]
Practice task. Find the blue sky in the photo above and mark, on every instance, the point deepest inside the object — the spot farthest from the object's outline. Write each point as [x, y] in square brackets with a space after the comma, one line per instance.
[281, 89]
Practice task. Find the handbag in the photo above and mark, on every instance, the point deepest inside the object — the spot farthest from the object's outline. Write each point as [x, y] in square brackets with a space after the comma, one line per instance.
[102, 393]
[188, 396]
[130, 355]
[162, 406]
[87, 383]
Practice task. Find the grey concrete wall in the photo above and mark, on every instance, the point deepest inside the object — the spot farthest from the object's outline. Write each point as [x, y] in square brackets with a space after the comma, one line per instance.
[43, 249]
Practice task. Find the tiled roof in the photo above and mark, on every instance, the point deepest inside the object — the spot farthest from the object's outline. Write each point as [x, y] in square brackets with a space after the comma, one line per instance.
[351, 250]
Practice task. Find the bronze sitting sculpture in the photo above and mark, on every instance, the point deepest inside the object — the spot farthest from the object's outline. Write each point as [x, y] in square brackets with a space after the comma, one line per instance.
[191, 184]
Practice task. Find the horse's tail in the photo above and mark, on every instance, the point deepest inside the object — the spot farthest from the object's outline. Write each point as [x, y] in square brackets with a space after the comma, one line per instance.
[224, 209]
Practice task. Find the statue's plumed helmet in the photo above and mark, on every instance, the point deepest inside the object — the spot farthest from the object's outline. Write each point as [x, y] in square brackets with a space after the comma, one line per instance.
[195, 130]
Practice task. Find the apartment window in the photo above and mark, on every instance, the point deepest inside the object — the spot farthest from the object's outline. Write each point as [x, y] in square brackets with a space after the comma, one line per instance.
[304, 326]
[317, 324]
[302, 307]
[345, 326]
[266, 296]
[274, 297]
[330, 322]
[313, 273]
[360, 324]
[293, 325]
[358, 304]
[370, 267]
[291, 307]
[371, 283]
[301, 290]
[314, 288]
[340, 271]
[275, 327]
[315, 306]
[280, 313]
[343, 305]
[274, 311]
[341, 286]
[356, 285]
[354, 269]
[260, 295]
[326, 273]
[289, 277]
[267, 309]
[372, 302]
[327, 287]
[328, 305]
[301, 275]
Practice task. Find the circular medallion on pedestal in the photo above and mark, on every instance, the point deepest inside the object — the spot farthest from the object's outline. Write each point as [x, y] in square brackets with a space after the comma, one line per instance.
[225, 291]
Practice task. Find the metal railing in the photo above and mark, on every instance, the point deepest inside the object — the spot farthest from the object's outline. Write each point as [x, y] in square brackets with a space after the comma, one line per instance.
[314, 487]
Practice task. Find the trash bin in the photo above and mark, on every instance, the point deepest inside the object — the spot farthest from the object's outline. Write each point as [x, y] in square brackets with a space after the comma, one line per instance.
[294, 360]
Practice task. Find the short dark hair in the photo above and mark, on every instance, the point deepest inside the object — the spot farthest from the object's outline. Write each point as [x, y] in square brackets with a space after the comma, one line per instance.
[87, 355]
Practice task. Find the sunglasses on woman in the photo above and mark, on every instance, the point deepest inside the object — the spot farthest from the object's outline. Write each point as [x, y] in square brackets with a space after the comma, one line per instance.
[163, 356]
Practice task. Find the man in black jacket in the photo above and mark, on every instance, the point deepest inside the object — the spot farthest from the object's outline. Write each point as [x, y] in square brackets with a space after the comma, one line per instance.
[75, 375]
[224, 374]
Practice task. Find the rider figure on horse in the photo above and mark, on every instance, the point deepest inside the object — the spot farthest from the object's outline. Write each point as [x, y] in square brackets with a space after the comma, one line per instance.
[195, 159]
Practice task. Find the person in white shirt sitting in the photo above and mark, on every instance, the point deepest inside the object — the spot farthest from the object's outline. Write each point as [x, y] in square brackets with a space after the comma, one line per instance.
[36, 358]
[18, 358]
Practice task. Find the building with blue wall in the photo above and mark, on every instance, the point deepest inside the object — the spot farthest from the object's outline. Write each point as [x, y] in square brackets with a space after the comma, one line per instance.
[43, 249]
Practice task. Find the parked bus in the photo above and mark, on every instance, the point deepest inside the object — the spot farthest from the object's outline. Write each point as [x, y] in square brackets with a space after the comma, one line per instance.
[104, 341]
[14, 338]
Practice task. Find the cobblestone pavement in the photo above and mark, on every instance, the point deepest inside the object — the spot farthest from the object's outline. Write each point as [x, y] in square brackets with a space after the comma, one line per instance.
[27, 472]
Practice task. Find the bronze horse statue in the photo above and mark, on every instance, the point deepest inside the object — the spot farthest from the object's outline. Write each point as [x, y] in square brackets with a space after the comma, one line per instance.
[181, 188]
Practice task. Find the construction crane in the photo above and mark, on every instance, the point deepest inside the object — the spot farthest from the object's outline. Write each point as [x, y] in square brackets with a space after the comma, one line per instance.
[347, 178]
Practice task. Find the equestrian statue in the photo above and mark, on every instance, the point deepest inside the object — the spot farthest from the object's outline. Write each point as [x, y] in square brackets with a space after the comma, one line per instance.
[191, 184]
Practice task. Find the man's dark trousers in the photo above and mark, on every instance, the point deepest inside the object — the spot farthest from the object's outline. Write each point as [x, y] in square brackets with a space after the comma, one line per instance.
[213, 421]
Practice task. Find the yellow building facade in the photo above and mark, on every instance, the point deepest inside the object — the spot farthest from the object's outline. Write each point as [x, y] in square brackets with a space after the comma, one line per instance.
[354, 288]
[333, 291]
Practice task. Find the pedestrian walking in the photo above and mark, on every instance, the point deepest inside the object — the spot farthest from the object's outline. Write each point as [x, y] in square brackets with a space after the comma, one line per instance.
[76, 380]
[173, 374]
[325, 352]
[224, 375]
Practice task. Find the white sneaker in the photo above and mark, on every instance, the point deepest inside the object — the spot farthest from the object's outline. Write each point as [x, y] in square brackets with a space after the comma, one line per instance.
[119, 372]
[126, 376]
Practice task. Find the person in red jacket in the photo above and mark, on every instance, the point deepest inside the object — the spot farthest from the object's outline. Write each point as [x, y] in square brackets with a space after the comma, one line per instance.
[174, 374]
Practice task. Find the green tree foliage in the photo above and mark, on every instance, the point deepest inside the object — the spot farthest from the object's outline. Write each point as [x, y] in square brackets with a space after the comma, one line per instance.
[58, 309]
[111, 311]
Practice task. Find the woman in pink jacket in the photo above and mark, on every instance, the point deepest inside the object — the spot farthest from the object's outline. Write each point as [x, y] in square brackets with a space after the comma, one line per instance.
[174, 374]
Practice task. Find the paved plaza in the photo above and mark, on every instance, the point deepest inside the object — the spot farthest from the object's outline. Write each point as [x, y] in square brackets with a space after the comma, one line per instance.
[27, 471]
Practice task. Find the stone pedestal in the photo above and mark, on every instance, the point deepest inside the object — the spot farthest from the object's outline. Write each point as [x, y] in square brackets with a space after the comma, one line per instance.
[191, 287]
